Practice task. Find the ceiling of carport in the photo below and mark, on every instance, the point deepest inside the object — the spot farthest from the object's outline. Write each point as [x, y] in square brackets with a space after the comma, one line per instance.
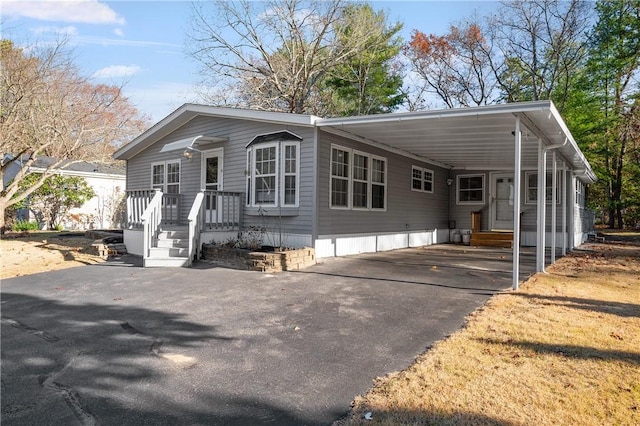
[477, 138]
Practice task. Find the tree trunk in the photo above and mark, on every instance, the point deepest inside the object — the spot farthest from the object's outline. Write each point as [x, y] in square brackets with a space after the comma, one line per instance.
[2, 208]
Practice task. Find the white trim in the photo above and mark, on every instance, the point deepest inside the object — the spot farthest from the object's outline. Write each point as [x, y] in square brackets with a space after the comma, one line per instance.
[484, 190]
[190, 142]
[283, 159]
[492, 196]
[347, 179]
[70, 172]
[164, 165]
[251, 177]
[423, 179]
[350, 179]
[210, 153]
[254, 176]
[548, 179]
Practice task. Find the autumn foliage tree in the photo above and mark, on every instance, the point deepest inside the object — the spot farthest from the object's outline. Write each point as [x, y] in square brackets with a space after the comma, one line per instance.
[49, 108]
[456, 67]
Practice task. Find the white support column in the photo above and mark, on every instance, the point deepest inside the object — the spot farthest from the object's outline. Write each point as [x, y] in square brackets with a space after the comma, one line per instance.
[554, 209]
[572, 211]
[564, 208]
[516, 205]
[541, 204]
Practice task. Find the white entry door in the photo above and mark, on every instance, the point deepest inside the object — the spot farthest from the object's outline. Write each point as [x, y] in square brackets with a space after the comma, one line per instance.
[502, 202]
[211, 180]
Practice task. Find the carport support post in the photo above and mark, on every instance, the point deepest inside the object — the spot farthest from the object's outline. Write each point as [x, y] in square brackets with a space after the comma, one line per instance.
[516, 205]
[564, 208]
[554, 209]
[541, 203]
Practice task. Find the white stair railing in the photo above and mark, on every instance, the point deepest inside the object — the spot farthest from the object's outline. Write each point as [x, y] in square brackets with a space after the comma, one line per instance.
[151, 220]
[195, 227]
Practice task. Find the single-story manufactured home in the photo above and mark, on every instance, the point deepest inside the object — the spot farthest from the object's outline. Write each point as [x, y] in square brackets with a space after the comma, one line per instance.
[349, 185]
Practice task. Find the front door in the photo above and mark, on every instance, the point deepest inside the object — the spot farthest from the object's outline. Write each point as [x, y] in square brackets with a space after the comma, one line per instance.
[211, 181]
[502, 202]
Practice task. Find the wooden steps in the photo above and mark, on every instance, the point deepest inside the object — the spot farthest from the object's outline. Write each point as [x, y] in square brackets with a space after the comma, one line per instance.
[492, 239]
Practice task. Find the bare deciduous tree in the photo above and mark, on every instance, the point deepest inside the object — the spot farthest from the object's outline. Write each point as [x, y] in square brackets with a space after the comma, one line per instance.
[270, 55]
[540, 44]
[48, 108]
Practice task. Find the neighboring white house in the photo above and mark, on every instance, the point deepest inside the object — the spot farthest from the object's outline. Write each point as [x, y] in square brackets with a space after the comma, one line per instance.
[100, 212]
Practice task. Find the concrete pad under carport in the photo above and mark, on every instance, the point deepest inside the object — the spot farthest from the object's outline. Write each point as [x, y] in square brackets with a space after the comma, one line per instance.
[119, 344]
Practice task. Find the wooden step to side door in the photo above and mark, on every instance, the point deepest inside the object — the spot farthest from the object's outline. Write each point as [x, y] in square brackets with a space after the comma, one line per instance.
[492, 239]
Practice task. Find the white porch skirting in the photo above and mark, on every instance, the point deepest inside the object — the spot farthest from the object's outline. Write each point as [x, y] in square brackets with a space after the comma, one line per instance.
[343, 245]
[133, 240]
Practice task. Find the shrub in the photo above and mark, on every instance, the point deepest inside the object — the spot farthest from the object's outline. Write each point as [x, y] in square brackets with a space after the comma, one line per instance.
[25, 225]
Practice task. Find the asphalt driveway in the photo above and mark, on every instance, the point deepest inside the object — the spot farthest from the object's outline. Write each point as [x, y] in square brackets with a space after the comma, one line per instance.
[118, 344]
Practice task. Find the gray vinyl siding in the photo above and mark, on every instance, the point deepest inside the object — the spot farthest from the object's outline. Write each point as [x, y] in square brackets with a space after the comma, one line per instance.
[461, 213]
[406, 210]
[239, 133]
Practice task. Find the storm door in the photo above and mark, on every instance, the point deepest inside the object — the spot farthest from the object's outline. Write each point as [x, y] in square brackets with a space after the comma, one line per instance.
[502, 202]
[211, 181]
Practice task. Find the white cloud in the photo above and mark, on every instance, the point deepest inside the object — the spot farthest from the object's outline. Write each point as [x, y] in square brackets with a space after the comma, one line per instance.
[69, 30]
[117, 71]
[85, 11]
[120, 42]
[118, 32]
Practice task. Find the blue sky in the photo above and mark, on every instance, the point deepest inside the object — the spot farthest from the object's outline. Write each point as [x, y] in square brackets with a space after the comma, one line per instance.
[142, 43]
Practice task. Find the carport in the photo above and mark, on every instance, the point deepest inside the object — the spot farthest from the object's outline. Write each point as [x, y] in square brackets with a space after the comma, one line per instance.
[508, 137]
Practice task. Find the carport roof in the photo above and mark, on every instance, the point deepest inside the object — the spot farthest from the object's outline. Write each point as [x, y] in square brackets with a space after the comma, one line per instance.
[474, 138]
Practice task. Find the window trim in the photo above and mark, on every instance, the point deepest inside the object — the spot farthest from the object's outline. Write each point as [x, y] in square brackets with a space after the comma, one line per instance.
[251, 177]
[350, 179]
[423, 173]
[548, 181]
[296, 144]
[164, 165]
[484, 187]
[347, 179]
[353, 180]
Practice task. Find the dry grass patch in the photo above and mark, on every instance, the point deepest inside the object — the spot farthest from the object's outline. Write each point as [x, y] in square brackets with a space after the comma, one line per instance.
[32, 252]
[565, 349]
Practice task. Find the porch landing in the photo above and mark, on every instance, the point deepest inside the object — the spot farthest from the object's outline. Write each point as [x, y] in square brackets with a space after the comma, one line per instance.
[492, 239]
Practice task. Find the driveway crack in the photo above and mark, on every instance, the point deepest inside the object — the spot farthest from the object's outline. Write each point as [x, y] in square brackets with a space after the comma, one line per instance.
[28, 329]
[70, 396]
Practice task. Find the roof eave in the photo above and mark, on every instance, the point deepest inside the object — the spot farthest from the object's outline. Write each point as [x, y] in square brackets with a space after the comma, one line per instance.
[189, 111]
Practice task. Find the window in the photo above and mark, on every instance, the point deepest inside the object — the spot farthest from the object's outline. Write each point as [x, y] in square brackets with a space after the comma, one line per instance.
[273, 174]
[360, 181]
[339, 178]
[470, 189]
[421, 179]
[531, 182]
[165, 176]
[357, 184]
[378, 183]
[579, 193]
